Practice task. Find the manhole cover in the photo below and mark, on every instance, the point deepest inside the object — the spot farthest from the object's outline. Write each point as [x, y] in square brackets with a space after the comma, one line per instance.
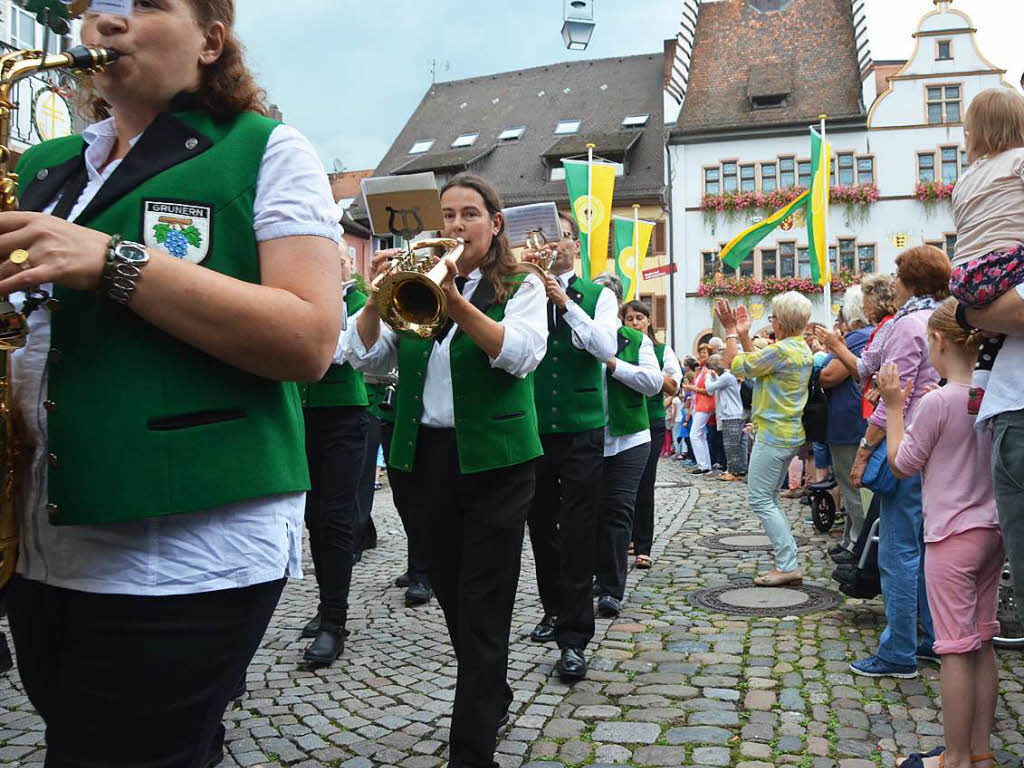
[741, 597]
[742, 542]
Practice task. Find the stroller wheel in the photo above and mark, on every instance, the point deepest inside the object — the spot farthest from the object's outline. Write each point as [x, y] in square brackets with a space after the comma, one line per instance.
[1011, 631]
[823, 511]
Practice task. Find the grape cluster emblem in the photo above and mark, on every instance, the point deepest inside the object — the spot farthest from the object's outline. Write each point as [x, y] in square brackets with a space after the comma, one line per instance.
[176, 235]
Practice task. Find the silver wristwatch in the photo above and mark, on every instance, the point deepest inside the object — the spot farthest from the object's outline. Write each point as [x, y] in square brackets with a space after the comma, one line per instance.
[125, 261]
[866, 446]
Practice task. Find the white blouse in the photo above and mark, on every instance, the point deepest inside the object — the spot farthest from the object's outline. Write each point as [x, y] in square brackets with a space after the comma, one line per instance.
[238, 545]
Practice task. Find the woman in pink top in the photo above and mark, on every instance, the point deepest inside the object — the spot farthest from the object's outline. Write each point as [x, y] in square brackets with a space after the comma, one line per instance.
[703, 409]
[963, 544]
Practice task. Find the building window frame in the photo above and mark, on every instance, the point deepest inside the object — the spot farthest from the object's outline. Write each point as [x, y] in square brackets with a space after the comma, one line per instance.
[568, 126]
[841, 169]
[939, 43]
[792, 172]
[707, 257]
[944, 101]
[955, 163]
[790, 247]
[424, 145]
[762, 260]
[873, 175]
[930, 153]
[717, 169]
[800, 175]
[772, 176]
[512, 133]
[465, 140]
[735, 175]
[874, 257]
[748, 177]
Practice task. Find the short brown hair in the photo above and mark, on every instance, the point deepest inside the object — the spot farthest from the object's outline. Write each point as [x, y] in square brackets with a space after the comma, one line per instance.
[227, 88]
[924, 271]
[994, 122]
[704, 348]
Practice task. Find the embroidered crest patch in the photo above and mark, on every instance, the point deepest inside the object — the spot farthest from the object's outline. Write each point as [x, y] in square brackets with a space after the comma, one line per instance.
[180, 229]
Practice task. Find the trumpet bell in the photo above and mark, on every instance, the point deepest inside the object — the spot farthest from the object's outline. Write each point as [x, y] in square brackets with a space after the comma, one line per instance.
[409, 296]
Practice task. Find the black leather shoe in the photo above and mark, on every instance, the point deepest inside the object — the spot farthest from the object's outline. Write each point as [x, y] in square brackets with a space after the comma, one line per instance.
[327, 646]
[836, 550]
[313, 625]
[844, 558]
[545, 631]
[403, 580]
[505, 717]
[418, 593]
[608, 607]
[571, 666]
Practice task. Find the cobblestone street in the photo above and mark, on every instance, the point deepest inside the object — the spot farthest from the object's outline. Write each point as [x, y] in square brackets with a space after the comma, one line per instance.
[670, 684]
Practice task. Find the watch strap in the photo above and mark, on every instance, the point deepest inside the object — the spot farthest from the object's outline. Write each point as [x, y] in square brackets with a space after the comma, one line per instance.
[119, 275]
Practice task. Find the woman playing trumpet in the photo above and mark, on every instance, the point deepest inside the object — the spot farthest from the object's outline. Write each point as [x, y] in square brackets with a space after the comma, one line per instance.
[466, 433]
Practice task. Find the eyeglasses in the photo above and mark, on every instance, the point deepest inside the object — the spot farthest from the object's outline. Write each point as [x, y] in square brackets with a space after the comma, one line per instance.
[568, 236]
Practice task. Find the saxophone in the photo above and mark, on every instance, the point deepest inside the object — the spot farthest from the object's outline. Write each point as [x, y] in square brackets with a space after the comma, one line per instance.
[13, 326]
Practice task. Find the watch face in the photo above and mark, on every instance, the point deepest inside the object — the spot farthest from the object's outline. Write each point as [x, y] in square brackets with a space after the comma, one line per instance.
[132, 253]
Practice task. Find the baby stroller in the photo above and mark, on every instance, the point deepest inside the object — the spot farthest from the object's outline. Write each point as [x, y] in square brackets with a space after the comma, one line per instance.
[861, 579]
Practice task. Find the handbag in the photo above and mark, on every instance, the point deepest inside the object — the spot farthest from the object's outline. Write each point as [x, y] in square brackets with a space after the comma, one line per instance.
[878, 476]
[815, 415]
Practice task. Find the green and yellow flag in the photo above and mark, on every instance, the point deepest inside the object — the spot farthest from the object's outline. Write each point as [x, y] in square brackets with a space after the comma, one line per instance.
[631, 243]
[817, 209]
[737, 249]
[593, 211]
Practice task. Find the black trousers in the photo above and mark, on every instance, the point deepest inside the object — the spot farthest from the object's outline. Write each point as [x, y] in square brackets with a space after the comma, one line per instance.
[716, 447]
[475, 525]
[619, 486]
[366, 531]
[134, 682]
[563, 531]
[335, 441]
[405, 495]
[643, 518]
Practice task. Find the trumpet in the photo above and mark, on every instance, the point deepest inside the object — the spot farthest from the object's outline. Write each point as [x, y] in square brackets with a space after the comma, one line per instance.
[409, 296]
[542, 253]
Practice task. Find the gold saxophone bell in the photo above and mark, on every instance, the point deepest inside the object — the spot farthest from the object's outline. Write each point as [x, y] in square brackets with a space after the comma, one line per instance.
[409, 295]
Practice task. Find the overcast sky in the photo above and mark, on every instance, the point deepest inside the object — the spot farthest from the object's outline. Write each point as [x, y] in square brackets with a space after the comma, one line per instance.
[349, 73]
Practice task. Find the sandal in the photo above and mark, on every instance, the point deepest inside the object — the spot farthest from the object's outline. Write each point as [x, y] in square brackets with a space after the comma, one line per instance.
[984, 758]
[643, 562]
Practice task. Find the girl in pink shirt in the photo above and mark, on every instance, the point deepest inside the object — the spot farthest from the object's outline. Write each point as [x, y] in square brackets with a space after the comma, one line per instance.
[963, 544]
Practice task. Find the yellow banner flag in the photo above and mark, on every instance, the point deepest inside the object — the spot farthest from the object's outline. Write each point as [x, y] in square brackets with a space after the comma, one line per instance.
[629, 242]
[593, 212]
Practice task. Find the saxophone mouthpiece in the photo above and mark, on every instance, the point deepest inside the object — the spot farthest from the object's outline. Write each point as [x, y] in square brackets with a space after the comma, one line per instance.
[85, 57]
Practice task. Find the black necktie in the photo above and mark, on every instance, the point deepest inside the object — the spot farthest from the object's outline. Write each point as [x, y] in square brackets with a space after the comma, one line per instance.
[460, 283]
[555, 315]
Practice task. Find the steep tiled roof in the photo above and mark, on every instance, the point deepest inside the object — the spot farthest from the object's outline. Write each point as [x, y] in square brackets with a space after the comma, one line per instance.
[600, 92]
[808, 50]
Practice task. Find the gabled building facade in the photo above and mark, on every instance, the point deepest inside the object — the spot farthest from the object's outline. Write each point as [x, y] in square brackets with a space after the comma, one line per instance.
[515, 129]
[759, 74]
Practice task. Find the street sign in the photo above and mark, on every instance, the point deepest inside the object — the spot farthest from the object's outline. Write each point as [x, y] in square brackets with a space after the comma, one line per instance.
[663, 271]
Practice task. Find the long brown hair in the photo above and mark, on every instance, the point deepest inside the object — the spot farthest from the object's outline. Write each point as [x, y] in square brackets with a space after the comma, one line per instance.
[499, 263]
[643, 309]
[227, 88]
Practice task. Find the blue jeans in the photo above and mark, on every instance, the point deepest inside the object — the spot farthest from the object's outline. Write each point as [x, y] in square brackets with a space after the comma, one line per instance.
[901, 564]
[768, 465]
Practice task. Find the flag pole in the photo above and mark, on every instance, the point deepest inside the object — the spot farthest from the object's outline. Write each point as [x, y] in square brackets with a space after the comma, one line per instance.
[636, 250]
[590, 206]
[827, 288]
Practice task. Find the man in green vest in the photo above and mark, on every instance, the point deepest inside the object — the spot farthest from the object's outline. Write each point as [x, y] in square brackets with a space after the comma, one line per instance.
[334, 410]
[569, 394]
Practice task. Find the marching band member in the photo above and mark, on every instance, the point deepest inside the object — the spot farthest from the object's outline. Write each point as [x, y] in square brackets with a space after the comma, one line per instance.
[637, 315]
[334, 412]
[569, 392]
[633, 375]
[162, 504]
[466, 432]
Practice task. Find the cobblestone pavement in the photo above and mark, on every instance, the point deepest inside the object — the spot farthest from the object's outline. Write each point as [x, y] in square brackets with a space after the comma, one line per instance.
[670, 684]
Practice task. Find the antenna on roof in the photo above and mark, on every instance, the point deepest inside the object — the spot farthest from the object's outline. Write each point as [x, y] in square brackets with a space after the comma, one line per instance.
[435, 64]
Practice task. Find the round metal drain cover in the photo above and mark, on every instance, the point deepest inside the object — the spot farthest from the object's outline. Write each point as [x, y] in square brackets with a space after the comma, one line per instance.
[742, 598]
[742, 541]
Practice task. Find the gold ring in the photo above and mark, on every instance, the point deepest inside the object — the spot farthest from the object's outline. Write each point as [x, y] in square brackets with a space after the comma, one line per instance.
[20, 257]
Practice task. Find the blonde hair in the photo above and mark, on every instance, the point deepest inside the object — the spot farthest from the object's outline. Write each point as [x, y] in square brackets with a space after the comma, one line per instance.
[994, 122]
[943, 323]
[792, 310]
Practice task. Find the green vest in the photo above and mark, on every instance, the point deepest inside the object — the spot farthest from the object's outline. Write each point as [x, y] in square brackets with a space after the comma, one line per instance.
[376, 394]
[495, 417]
[342, 384]
[568, 383]
[627, 411]
[140, 424]
[656, 403]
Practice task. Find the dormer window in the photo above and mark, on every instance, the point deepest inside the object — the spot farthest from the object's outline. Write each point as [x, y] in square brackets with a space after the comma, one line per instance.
[512, 134]
[465, 140]
[565, 127]
[768, 102]
[635, 121]
[421, 146]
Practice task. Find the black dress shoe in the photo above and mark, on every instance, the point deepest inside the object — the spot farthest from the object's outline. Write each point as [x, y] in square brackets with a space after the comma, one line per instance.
[505, 717]
[313, 625]
[844, 558]
[836, 550]
[327, 646]
[418, 593]
[608, 607]
[403, 580]
[571, 666]
[545, 631]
